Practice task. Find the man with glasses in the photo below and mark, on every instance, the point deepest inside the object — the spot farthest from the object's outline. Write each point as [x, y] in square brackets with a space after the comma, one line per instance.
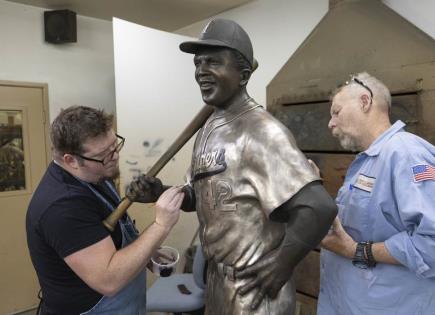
[82, 267]
[379, 256]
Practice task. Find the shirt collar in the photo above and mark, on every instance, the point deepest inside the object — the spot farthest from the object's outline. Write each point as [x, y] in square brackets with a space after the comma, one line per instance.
[225, 116]
[376, 146]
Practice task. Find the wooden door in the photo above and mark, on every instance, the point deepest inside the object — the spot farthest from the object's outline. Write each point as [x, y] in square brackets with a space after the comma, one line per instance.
[23, 159]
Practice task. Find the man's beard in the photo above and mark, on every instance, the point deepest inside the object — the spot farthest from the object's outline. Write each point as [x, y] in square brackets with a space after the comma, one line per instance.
[115, 174]
[347, 142]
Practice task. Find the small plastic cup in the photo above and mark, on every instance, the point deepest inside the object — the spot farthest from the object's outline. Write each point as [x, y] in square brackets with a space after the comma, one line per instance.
[165, 260]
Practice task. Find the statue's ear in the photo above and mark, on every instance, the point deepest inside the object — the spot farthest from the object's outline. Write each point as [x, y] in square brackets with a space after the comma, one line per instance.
[245, 75]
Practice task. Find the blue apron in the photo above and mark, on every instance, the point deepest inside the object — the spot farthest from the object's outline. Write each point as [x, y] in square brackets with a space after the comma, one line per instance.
[131, 300]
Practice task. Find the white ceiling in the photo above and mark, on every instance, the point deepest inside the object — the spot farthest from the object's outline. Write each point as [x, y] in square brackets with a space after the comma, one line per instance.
[168, 15]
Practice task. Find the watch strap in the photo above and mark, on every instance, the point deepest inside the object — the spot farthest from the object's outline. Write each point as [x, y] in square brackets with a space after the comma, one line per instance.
[369, 254]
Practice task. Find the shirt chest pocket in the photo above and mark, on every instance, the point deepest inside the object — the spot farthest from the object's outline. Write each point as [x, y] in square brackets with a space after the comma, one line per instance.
[355, 213]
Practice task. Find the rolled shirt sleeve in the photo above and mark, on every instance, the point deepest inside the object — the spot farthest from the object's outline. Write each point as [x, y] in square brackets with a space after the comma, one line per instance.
[414, 246]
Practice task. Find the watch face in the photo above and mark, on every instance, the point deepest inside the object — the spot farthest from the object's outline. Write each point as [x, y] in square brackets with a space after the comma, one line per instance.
[360, 264]
[359, 260]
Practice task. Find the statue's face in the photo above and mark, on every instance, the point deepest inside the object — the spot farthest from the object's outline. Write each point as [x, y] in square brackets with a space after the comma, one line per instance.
[217, 75]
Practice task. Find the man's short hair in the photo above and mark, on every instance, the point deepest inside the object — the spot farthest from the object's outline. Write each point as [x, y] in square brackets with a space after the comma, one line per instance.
[381, 94]
[75, 125]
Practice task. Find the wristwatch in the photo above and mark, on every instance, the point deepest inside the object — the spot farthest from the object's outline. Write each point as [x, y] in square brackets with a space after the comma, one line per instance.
[363, 257]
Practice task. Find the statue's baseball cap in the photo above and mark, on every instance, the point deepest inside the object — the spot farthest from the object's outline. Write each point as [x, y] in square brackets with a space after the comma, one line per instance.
[222, 33]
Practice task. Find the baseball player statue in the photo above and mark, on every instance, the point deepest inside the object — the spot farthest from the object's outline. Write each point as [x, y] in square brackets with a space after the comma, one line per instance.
[260, 205]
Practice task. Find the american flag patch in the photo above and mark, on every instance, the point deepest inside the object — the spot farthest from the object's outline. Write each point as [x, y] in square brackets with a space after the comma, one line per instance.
[423, 172]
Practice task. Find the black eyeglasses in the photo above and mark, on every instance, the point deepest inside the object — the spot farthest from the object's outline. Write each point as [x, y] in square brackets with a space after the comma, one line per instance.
[109, 156]
[358, 81]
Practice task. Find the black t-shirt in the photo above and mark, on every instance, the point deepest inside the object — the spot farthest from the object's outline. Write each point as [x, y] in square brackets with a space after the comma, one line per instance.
[64, 216]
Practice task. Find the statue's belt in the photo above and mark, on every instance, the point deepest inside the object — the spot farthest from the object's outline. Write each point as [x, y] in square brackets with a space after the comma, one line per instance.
[226, 271]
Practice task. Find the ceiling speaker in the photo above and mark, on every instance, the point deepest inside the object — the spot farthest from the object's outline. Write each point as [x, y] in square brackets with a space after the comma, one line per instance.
[60, 26]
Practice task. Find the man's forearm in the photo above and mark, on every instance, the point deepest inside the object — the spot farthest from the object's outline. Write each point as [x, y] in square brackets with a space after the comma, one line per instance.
[341, 243]
[127, 262]
[382, 255]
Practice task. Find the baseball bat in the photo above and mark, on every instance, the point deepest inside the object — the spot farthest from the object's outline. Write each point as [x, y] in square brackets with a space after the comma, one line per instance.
[196, 123]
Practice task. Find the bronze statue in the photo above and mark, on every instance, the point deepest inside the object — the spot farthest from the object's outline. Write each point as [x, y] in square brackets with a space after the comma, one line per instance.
[260, 205]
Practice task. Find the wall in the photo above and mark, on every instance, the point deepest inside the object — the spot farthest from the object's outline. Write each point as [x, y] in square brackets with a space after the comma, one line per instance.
[76, 73]
[156, 98]
[420, 13]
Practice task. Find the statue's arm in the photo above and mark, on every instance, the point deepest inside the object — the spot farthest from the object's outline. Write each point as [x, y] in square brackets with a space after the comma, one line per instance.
[308, 216]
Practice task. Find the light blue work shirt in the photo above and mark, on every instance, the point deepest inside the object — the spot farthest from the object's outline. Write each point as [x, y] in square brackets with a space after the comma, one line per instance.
[382, 200]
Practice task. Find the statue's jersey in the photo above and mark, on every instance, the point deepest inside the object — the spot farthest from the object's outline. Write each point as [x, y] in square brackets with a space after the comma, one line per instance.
[245, 164]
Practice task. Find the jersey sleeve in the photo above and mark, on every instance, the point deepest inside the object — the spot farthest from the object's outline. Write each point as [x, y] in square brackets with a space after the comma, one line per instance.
[414, 245]
[71, 225]
[276, 167]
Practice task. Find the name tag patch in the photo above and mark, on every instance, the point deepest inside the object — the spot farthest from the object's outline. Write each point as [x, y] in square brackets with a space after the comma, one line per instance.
[365, 183]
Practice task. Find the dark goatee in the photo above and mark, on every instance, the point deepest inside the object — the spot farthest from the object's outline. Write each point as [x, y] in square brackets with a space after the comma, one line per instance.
[114, 177]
